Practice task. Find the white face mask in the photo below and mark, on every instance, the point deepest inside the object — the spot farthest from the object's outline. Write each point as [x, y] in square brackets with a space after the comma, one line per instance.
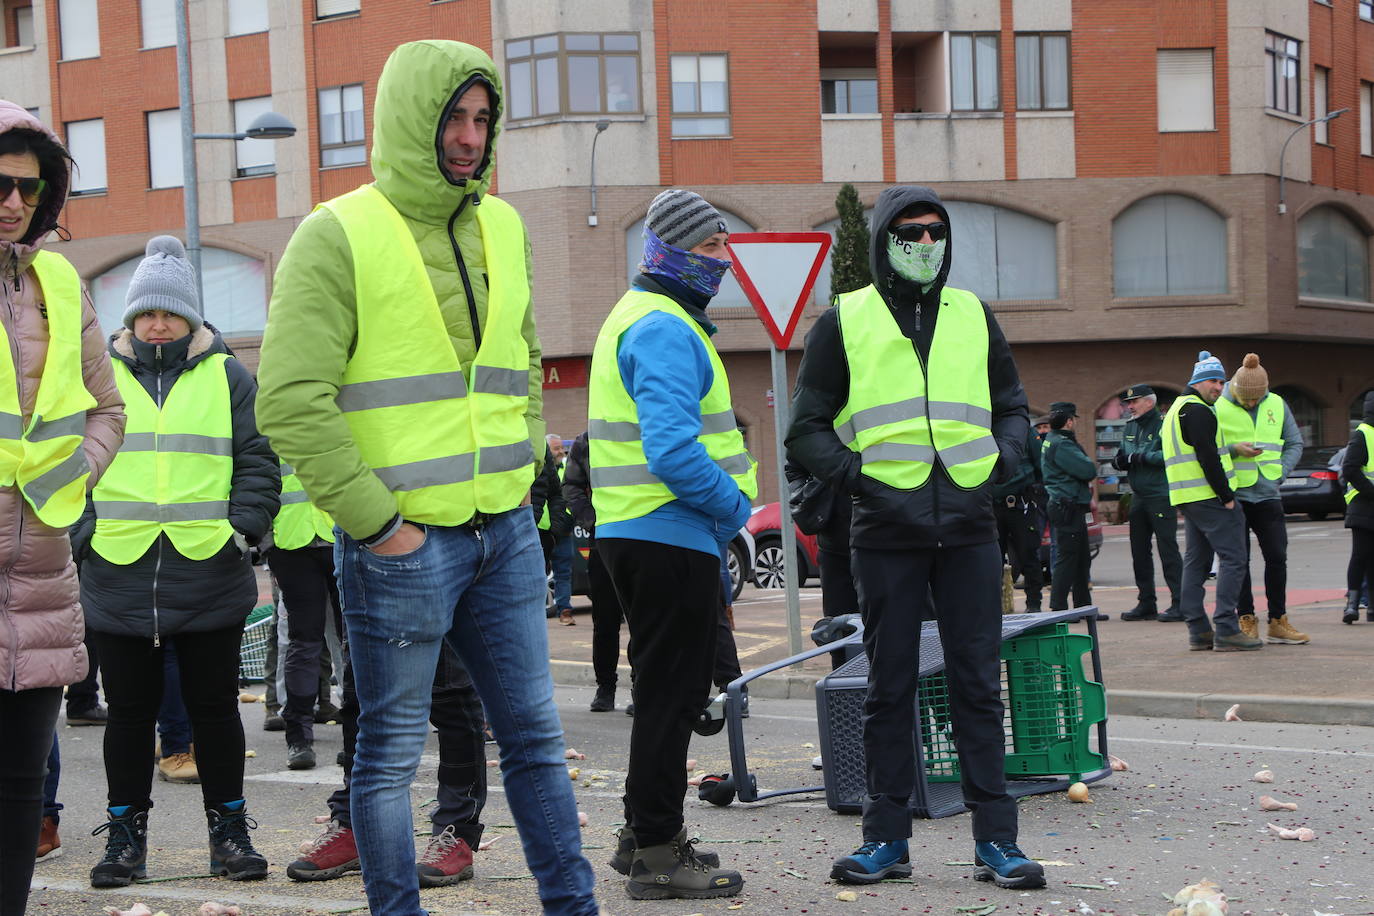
[918, 262]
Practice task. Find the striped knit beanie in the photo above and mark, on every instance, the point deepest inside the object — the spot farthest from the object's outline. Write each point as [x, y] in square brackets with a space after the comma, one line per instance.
[683, 219]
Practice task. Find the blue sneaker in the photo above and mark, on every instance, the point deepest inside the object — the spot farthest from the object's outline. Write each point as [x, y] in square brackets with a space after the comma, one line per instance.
[872, 862]
[1005, 864]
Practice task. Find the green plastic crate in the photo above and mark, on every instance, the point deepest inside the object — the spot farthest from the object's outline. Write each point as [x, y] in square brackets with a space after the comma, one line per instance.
[257, 630]
[1050, 709]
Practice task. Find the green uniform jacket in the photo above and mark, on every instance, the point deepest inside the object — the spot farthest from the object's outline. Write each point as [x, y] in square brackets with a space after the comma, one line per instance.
[312, 321]
[1141, 437]
[1067, 468]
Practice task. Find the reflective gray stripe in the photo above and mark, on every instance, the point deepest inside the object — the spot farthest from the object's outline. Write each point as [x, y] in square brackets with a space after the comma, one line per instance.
[395, 392]
[287, 470]
[1177, 460]
[898, 451]
[42, 487]
[190, 443]
[490, 380]
[75, 425]
[1244, 464]
[432, 472]
[963, 413]
[139, 442]
[870, 417]
[297, 496]
[734, 464]
[494, 459]
[11, 426]
[633, 475]
[129, 511]
[721, 422]
[613, 430]
[965, 452]
[1268, 446]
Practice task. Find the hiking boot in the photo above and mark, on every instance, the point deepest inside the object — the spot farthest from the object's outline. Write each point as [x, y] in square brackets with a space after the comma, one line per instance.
[1171, 615]
[126, 848]
[625, 852]
[1006, 865]
[232, 854]
[670, 870]
[179, 768]
[300, 757]
[94, 715]
[1249, 625]
[327, 712]
[1141, 612]
[49, 843]
[1237, 642]
[446, 860]
[872, 862]
[1352, 607]
[565, 617]
[274, 723]
[1284, 633]
[1201, 642]
[604, 701]
[332, 855]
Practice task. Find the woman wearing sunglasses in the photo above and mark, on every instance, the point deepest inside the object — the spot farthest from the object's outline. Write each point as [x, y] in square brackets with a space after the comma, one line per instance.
[61, 422]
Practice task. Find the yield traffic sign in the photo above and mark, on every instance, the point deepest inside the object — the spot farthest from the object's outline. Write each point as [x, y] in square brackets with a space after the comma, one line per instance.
[776, 270]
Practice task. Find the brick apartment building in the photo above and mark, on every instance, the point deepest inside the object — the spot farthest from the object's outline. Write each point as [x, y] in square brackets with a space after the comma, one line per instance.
[1112, 166]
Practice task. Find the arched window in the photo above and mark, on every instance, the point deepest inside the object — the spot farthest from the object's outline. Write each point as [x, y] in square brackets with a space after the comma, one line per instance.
[235, 287]
[730, 295]
[1306, 411]
[1333, 256]
[1169, 245]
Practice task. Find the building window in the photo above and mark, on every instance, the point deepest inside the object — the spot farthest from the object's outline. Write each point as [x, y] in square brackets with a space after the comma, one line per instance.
[1321, 103]
[253, 157]
[701, 95]
[325, 9]
[849, 92]
[1184, 90]
[1333, 256]
[79, 22]
[164, 149]
[1042, 71]
[1169, 245]
[86, 143]
[1367, 9]
[247, 17]
[973, 74]
[1282, 66]
[1366, 119]
[1003, 254]
[1307, 413]
[235, 287]
[23, 26]
[572, 73]
[341, 126]
[159, 22]
[730, 295]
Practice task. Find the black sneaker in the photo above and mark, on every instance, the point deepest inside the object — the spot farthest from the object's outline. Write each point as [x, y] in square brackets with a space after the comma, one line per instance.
[126, 848]
[95, 715]
[232, 854]
[1171, 615]
[300, 757]
[604, 701]
[1202, 642]
[1141, 612]
[625, 852]
[327, 712]
[274, 723]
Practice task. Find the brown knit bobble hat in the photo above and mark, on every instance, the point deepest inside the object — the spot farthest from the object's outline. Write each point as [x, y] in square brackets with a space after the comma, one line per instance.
[1251, 382]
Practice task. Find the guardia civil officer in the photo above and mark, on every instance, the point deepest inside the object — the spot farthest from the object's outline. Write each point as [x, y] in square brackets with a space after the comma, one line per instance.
[1069, 473]
[1141, 456]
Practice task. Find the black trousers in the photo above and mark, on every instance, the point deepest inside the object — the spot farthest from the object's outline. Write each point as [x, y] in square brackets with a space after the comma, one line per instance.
[84, 695]
[606, 617]
[1072, 564]
[1265, 520]
[456, 714]
[1018, 534]
[1361, 567]
[27, 720]
[209, 664]
[967, 586]
[671, 597]
[1154, 519]
[306, 579]
[727, 655]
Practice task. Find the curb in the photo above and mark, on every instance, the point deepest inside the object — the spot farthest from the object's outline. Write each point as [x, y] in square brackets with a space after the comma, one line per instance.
[1158, 704]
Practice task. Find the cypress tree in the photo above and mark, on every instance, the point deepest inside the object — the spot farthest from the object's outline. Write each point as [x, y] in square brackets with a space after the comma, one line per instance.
[849, 255]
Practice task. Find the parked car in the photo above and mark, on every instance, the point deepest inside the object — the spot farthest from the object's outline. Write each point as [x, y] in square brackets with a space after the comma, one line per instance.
[766, 527]
[1314, 486]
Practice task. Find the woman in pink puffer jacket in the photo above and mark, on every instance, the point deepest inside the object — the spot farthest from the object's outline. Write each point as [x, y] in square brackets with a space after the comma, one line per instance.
[40, 617]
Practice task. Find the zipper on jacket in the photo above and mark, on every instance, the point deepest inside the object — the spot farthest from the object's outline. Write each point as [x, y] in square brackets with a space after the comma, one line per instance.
[12, 675]
[157, 564]
[463, 272]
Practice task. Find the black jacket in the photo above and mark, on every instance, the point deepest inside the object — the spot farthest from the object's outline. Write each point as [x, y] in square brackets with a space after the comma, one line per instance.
[940, 513]
[1359, 513]
[547, 490]
[1197, 424]
[577, 487]
[163, 593]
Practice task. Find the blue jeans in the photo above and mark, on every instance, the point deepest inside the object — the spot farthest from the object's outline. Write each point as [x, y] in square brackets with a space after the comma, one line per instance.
[562, 571]
[51, 806]
[173, 721]
[483, 590]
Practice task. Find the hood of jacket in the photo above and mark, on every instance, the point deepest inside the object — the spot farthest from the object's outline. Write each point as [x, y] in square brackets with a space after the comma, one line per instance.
[58, 175]
[419, 85]
[891, 202]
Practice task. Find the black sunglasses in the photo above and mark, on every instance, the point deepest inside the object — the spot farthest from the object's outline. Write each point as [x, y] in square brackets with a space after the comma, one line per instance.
[914, 232]
[32, 190]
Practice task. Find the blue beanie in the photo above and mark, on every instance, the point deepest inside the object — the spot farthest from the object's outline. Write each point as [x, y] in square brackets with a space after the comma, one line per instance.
[1207, 367]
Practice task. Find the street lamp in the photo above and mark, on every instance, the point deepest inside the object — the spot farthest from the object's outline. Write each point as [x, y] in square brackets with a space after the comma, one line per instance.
[600, 126]
[1326, 117]
[267, 126]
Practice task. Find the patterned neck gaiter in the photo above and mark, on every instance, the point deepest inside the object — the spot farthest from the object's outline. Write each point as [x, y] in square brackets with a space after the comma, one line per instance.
[695, 271]
[918, 262]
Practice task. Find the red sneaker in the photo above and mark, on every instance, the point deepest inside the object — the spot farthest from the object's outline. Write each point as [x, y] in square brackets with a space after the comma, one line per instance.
[333, 855]
[447, 860]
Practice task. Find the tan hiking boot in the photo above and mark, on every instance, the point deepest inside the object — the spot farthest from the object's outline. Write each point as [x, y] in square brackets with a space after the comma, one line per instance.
[1284, 633]
[1249, 626]
[670, 870]
[180, 768]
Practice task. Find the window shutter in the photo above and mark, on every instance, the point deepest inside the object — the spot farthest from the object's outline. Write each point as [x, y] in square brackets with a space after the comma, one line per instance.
[159, 21]
[164, 149]
[86, 143]
[326, 8]
[1184, 96]
[79, 23]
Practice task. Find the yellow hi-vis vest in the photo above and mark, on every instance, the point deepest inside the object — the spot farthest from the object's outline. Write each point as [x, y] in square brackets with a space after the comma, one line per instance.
[447, 443]
[1184, 472]
[46, 459]
[623, 487]
[1265, 432]
[1368, 432]
[298, 521]
[174, 471]
[902, 414]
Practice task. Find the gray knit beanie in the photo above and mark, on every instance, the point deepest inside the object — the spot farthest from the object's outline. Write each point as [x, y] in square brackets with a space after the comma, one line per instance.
[163, 281]
[683, 218]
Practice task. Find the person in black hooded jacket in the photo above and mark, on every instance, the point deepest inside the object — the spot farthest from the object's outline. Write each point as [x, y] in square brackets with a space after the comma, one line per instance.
[1357, 469]
[917, 444]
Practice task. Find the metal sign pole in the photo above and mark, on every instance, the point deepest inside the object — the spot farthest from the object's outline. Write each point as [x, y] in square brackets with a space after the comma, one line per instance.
[782, 417]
